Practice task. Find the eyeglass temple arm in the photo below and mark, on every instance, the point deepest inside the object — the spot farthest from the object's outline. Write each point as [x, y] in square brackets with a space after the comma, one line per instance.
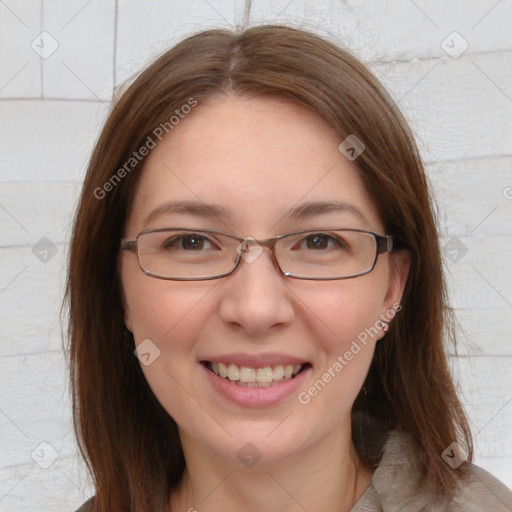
[129, 245]
[384, 243]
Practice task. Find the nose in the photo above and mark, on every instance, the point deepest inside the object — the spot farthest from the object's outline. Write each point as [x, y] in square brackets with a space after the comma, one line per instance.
[255, 297]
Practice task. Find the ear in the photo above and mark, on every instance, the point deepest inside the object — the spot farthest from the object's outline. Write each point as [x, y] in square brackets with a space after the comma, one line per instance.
[400, 264]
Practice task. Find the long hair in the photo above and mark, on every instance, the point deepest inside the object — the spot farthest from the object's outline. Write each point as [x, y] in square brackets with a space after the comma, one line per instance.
[129, 442]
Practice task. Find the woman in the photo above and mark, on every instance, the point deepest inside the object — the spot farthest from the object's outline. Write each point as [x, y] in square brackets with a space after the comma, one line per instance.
[257, 306]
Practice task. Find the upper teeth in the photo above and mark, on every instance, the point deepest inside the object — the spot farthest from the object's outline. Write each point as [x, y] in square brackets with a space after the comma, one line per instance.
[250, 374]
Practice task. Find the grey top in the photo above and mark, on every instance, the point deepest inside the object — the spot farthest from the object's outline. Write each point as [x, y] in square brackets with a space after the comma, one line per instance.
[395, 486]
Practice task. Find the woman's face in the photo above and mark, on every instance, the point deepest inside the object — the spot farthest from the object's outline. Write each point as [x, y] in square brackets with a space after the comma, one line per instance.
[257, 159]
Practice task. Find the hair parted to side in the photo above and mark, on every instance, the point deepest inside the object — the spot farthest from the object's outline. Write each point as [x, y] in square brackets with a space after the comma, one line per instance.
[128, 440]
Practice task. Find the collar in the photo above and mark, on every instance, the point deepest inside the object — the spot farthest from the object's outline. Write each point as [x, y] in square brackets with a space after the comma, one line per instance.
[396, 483]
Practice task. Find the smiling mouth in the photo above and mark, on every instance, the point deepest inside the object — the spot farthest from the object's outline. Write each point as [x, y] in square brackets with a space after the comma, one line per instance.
[250, 377]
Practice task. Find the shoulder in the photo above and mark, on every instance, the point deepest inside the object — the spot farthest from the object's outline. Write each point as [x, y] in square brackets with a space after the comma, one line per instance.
[479, 491]
[397, 481]
[88, 506]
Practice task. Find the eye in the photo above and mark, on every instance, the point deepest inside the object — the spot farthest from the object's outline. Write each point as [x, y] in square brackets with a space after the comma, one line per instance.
[322, 241]
[189, 242]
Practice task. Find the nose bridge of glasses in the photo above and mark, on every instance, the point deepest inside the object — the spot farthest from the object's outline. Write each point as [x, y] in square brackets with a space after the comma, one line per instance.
[250, 249]
[267, 243]
[244, 244]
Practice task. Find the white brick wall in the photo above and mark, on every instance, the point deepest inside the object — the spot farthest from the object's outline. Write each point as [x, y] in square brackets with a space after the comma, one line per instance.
[52, 109]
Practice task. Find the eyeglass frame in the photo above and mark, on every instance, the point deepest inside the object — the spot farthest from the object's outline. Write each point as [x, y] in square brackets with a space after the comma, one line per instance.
[384, 243]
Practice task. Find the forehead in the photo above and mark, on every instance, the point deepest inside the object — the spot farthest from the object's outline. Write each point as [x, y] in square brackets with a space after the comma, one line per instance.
[257, 158]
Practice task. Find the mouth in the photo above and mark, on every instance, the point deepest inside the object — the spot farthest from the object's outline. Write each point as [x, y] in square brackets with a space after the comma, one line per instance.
[255, 377]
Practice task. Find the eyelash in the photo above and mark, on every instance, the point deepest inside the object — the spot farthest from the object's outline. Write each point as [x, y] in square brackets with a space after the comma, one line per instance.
[169, 242]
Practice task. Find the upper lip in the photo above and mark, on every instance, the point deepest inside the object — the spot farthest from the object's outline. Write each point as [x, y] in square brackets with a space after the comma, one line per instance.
[256, 360]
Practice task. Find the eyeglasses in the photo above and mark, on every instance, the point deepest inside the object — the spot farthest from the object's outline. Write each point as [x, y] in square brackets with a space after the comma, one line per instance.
[184, 254]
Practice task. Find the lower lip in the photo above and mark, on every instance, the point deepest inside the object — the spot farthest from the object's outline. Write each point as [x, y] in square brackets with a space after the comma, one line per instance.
[256, 397]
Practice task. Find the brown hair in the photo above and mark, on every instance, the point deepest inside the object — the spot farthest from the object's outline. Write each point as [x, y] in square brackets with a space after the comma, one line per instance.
[129, 441]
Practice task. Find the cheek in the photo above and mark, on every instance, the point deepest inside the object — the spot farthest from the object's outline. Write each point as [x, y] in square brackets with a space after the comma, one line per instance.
[157, 309]
[171, 316]
[343, 311]
[164, 316]
[344, 318]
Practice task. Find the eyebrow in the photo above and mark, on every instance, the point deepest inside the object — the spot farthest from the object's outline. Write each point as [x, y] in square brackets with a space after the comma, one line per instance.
[300, 212]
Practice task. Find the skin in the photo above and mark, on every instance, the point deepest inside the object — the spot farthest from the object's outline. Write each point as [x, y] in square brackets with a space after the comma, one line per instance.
[258, 158]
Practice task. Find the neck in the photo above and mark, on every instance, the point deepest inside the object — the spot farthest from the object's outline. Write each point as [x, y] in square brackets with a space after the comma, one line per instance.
[328, 477]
